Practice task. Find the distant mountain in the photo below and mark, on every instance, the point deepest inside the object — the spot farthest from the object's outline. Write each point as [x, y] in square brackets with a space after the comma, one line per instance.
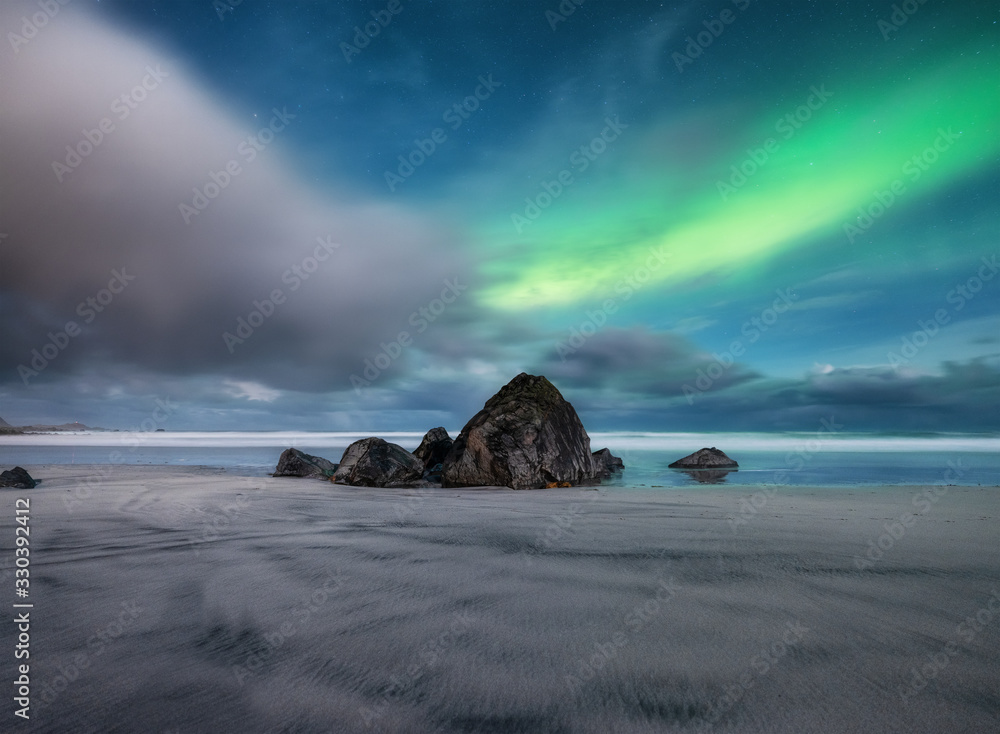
[63, 427]
[6, 427]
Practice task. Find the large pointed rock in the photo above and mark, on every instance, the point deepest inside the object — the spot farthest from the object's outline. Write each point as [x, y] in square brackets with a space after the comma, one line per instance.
[526, 436]
[17, 478]
[374, 462]
[295, 463]
[705, 459]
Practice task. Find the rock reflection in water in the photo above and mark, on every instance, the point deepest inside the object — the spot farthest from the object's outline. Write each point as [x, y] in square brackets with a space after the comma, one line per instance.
[709, 476]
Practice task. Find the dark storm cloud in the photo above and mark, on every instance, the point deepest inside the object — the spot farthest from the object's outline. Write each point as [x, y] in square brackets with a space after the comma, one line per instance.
[966, 384]
[115, 218]
[960, 398]
[881, 397]
[637, 360]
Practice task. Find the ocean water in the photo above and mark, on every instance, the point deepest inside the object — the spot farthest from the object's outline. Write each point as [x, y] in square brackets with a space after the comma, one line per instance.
[793, 459]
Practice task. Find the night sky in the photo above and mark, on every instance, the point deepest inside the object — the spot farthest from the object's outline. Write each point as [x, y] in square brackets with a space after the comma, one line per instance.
[691, 216]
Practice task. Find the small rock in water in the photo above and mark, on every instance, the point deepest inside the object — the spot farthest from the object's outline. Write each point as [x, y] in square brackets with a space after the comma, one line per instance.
[705, 459]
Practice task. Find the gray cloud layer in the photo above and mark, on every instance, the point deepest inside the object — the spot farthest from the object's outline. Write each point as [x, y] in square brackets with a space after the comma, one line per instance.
[639, 361]
[118, 209]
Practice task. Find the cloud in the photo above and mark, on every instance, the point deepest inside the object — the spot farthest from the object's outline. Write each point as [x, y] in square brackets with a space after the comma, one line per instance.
[861, 398]
[118, 210]
[636, 360]
[251, 391]
[958, 382]
[610, 393]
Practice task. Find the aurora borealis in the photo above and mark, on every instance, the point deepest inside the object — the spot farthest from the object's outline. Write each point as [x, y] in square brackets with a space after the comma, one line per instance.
[725, 215]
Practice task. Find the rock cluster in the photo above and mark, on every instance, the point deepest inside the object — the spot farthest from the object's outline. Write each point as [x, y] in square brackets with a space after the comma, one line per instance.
[527, 436]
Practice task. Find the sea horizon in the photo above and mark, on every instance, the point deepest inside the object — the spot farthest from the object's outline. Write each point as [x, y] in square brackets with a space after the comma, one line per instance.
[795, 458]
[846, 440]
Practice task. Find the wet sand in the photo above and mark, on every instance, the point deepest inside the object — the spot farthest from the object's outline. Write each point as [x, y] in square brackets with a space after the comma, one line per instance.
[180, 600]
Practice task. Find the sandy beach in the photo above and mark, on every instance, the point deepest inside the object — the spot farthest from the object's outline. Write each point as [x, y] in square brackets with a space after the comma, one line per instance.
[182, 600]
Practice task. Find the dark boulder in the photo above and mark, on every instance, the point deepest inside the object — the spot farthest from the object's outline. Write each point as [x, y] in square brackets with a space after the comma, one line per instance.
[373, 462]
[295, 463]
[435, 446]
[705, 459]
[17, 478]
[526, 436]
[607, 462]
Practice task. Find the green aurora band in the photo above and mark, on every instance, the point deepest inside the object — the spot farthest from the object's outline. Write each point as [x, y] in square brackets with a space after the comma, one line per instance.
[811, 186]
